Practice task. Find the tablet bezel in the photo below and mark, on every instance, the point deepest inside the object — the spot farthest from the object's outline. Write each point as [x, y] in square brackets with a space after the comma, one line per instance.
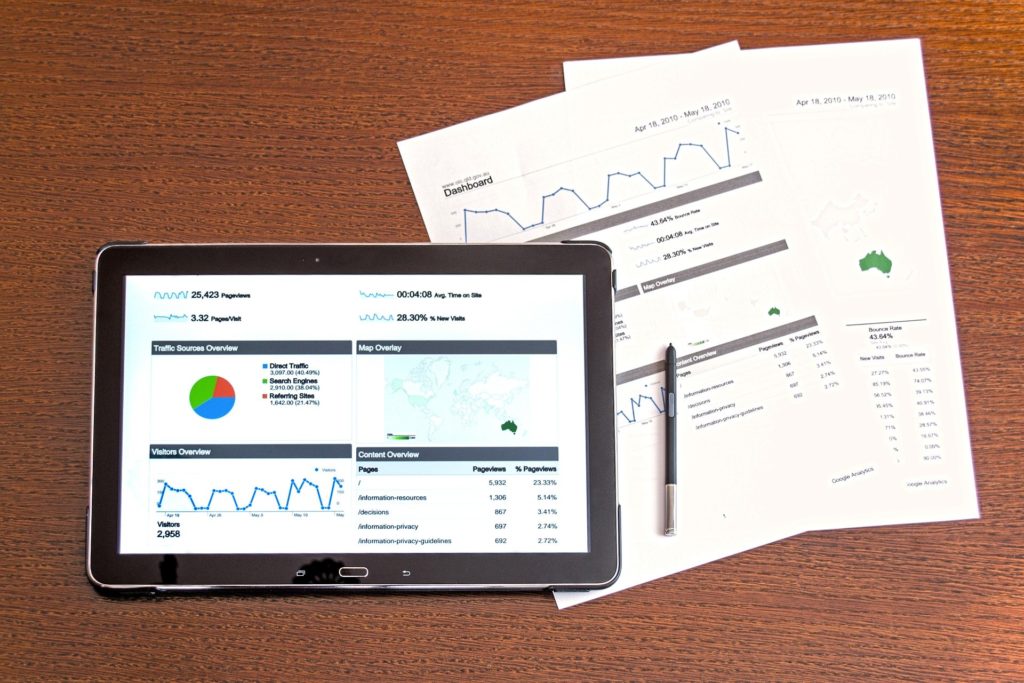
[108, 569]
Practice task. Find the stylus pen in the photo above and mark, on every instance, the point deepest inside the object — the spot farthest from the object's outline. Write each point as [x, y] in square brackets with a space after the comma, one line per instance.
[670, 441]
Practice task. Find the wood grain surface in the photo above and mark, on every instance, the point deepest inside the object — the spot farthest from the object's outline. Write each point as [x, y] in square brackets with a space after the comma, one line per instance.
[260, 121]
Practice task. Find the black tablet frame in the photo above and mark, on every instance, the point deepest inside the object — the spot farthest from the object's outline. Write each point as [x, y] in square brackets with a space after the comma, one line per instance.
[107, 569]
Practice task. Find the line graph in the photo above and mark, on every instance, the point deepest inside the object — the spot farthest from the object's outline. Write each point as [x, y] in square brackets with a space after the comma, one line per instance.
[170, 318]
[376, 317]
[181, 294]
[648, 262]
[641, 401]
[375, 295]
[269, 494]
[522, 225]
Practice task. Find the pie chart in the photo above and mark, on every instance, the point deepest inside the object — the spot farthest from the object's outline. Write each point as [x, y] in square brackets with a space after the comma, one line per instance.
[212, 397]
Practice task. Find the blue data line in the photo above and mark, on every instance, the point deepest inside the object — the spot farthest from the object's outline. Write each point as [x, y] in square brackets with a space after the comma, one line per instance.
[376, 317]
[608, 185]
[336, 484]
[183, 294]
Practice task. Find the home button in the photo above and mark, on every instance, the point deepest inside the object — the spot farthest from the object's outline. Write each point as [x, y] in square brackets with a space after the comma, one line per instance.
[353, 572]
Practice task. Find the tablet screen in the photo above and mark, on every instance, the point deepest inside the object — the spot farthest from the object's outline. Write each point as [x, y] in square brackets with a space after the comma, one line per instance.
[336, 413]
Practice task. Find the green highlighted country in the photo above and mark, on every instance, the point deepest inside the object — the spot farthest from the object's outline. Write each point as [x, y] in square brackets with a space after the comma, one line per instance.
[774, 311]
[509, 426]
[877, 260]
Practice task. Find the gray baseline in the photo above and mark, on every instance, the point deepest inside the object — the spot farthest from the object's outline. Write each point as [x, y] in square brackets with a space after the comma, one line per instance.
[651, 209]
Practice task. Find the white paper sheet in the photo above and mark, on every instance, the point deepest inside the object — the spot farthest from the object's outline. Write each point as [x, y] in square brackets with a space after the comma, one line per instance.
[848, 126]
[583, 72]
[659, 166]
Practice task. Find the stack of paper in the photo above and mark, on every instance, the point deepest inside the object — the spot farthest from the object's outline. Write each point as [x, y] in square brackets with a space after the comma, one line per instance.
[775, 214]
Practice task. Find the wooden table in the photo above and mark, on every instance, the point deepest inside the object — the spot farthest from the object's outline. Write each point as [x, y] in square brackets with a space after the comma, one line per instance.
[247, 121]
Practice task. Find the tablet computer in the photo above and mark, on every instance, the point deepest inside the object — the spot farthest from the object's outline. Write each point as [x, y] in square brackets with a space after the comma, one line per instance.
[353, 417]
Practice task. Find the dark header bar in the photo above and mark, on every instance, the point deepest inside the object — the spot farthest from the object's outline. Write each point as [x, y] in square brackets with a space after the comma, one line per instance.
[250, 348]
[704, 269]
[720, 350]
[457, 346]
[254, 451]
[456, 454]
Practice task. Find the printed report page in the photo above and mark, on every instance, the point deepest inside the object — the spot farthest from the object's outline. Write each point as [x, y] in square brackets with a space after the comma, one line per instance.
[661, 167]
[848, 128]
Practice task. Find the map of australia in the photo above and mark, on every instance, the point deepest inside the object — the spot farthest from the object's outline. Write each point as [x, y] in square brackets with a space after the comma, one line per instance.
[877, 260]
[457, 399]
